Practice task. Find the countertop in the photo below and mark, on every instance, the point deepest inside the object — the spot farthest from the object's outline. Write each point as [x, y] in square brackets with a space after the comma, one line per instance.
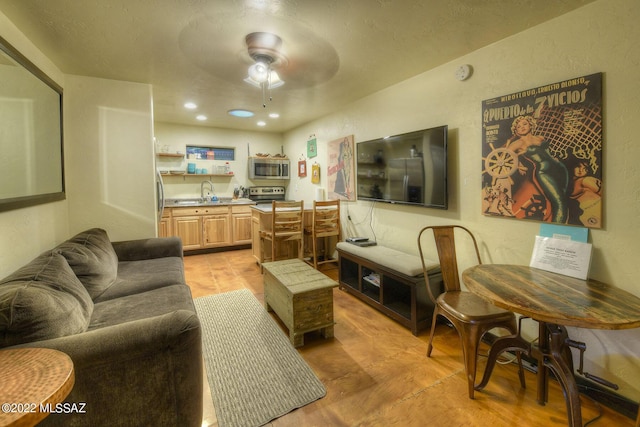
[196, 202]
[268, 208]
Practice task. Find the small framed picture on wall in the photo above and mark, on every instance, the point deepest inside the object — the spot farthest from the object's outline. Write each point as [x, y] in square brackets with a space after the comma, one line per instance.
[302, 168]
[315, 173]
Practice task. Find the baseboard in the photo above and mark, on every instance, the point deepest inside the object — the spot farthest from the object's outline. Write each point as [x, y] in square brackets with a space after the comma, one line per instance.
[598, 393]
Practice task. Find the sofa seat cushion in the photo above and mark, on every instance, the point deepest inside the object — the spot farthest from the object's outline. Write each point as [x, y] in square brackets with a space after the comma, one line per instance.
[135, 277]
[141, 306]
[93, 259]
[43, 300]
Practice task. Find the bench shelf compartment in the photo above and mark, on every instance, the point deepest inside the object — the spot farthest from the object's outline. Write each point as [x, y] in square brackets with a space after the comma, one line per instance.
[401, 297]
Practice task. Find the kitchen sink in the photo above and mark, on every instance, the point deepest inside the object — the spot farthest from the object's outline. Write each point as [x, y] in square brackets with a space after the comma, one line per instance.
[204, 202]
[188, 202]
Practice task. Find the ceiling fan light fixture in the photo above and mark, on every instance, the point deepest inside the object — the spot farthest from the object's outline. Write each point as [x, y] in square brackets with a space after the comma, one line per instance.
[274, 80]
[264, 49]
[259, 72]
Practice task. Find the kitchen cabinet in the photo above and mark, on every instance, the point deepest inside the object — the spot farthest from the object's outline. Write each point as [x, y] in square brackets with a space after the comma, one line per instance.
[189, 229]
[215, 227]
[165, 228]
[240, 225]
[206, 227]
[256, 247]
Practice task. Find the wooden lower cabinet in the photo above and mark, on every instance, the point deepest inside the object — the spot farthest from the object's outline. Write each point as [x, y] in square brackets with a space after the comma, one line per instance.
[208, 227]
[165, 228]
[240, 225]
[215, 231]
[256, 244]
[189, 229]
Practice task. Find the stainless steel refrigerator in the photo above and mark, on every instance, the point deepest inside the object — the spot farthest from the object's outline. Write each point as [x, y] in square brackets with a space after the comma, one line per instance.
[406, 179]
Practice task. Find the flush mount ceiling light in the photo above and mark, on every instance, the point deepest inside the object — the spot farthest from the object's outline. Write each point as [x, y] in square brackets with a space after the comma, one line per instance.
[265, 50]
[240, 113]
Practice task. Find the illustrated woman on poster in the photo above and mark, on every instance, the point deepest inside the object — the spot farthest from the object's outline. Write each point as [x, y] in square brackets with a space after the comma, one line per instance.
[587, 192]
[549, 175]
[343, 178]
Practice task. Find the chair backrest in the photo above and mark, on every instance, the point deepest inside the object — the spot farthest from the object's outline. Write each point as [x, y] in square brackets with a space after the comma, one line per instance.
[444, 236]
[326, 218]
[287, 218]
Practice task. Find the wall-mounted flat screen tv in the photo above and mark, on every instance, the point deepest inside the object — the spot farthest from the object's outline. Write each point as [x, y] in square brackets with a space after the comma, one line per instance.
[410, 168]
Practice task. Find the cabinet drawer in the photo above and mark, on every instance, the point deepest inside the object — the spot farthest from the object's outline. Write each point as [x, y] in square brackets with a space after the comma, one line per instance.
[241, 209]
[202, 210]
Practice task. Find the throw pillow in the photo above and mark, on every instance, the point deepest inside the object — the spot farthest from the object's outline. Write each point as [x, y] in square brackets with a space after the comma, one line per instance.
[92, 257]
[42, 300]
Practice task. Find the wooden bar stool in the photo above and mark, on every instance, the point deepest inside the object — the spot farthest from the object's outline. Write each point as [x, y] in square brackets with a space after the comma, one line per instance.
[286, 227]
[325, 223]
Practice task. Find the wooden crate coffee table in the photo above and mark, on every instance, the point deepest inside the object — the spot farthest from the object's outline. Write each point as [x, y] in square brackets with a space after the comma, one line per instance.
[301, 296]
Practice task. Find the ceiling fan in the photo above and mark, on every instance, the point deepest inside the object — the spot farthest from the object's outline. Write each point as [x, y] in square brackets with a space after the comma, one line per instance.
[266, 50]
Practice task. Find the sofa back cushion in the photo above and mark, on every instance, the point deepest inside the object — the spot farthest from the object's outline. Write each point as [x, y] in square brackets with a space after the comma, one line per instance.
[43, 300]
[93, 259]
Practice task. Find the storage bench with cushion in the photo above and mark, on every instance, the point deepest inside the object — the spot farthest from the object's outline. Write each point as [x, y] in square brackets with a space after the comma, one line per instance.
[391, 281]
[124, 314]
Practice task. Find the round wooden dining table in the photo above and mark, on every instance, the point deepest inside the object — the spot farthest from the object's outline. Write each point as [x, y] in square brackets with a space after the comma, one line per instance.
[32, 382]
[554, 301]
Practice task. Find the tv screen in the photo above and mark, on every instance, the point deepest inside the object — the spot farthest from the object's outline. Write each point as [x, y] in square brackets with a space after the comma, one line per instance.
[410, 168]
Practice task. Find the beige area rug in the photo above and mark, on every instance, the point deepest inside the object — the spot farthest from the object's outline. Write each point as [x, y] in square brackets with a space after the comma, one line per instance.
[254, 373]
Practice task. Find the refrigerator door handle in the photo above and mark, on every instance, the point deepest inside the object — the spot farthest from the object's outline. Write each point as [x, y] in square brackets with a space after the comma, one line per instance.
[160, 190]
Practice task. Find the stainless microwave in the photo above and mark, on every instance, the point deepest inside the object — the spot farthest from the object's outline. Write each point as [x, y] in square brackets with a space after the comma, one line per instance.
[269, 168]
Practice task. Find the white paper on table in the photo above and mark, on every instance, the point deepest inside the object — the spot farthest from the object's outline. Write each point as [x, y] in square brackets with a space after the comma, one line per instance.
[567, 257]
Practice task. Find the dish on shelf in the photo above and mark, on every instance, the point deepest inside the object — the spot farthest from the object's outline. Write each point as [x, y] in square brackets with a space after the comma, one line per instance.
[177, 172]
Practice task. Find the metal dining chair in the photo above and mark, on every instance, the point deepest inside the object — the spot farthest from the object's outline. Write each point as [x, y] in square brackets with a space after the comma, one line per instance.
[325, 223]
[469, 314]
[286, 227]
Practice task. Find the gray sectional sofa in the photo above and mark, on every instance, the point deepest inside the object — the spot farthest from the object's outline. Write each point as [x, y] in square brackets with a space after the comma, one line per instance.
[124, 314]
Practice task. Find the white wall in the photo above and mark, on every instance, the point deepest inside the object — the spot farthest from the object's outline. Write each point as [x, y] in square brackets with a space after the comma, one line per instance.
[177, 137]
[110, 169]
[600, 37]
[30, 231]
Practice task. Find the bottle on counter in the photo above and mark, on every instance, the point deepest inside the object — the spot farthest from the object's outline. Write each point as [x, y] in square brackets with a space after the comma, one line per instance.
[227, 168]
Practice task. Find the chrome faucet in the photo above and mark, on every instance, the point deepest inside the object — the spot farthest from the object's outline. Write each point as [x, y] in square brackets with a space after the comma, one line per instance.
[202, 188]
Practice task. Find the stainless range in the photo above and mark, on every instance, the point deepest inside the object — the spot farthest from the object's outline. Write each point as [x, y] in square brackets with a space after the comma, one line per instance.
[267, 193]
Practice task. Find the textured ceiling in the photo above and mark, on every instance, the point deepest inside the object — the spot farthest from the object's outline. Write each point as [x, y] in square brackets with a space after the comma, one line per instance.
[337, 50]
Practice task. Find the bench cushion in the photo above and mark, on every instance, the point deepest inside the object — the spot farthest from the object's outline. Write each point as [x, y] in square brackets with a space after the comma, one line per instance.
[402, 262]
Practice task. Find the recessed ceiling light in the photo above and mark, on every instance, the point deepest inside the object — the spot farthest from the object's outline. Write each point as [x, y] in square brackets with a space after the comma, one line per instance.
[190, 106]
[240, 113]
[274, 115]
[201, 117]
[261, 123]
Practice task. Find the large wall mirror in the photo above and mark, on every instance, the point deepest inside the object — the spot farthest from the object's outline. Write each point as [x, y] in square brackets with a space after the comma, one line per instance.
[31, 156]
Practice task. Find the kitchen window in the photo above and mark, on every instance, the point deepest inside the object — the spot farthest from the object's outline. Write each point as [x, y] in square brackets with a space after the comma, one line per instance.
[204, 153]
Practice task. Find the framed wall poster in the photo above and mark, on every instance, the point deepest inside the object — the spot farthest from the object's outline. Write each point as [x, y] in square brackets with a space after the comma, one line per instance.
[542, 153]
[312, 148]
[341, 169]
[315, 173]
[302, 168]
